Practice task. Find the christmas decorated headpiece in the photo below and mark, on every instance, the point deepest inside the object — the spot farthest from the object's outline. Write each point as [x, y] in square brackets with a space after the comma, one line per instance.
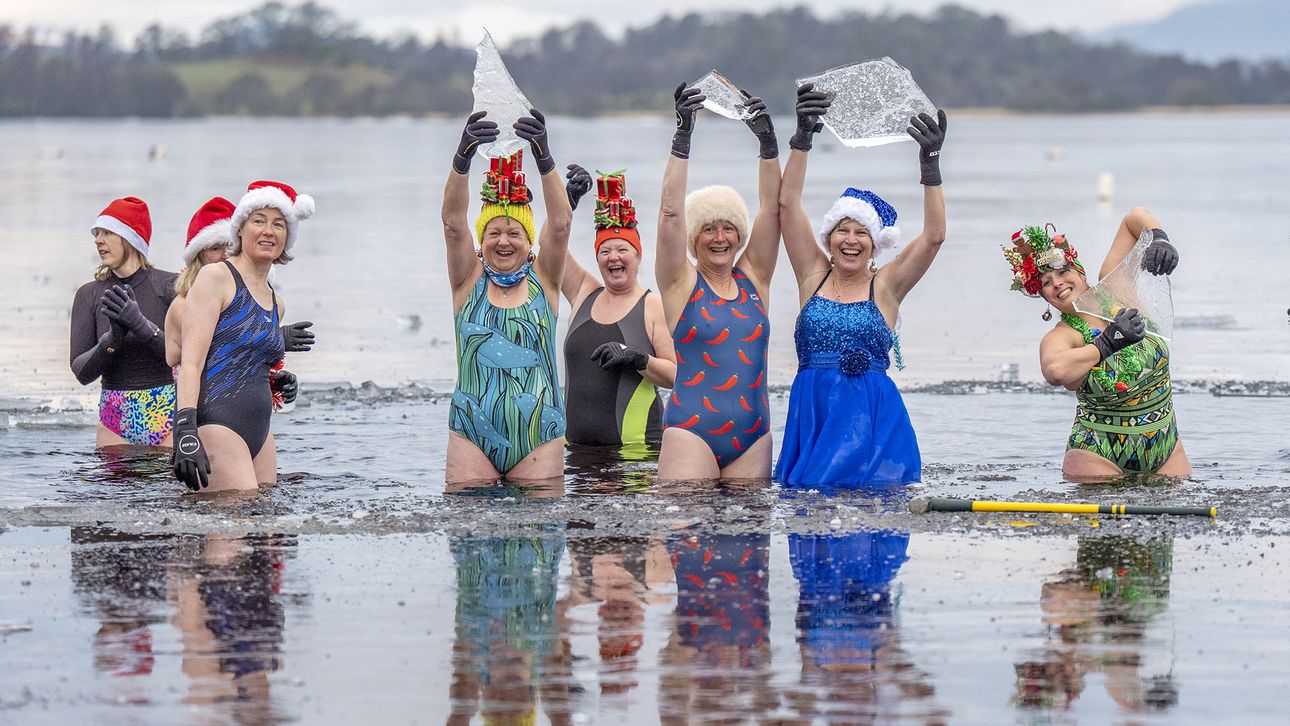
[1035, 251]
[506, 195]
[868, 209]
[615, 215]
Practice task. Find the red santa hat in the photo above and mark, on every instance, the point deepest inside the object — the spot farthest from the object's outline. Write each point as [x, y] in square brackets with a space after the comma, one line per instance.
[209, 228]
[127, 217]
[261, 194]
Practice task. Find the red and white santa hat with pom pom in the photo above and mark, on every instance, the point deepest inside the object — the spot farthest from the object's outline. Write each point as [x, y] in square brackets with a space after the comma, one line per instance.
[209, 228]
[261, 194]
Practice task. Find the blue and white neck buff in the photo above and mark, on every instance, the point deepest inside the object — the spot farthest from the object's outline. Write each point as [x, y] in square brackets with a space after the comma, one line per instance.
[507, 279]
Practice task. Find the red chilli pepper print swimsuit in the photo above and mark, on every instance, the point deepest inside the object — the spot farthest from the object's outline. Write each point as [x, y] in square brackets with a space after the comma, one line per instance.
[721, 347]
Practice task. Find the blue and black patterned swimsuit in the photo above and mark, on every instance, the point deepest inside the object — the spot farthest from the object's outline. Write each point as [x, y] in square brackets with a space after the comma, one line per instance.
[235, 383]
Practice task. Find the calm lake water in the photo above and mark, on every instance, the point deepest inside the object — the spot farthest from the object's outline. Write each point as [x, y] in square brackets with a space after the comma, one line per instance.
[359, 586]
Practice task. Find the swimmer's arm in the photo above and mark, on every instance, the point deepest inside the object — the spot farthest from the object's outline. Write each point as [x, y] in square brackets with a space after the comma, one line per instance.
[808, 259]
[762, 252]
[174, 331]
[672, 269]
[89, 352]
[1126, 236]
[1065, 359]
[577, 282]
[463, 265]
[661, 370]
[553, 242]
[201, 313]
[902, 273]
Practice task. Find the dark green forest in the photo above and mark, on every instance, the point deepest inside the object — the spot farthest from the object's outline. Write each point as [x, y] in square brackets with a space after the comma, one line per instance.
[306, 60]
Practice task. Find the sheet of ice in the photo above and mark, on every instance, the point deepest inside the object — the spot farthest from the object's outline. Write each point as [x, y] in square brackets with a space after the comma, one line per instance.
[1130, 286]
[872, 102]
[496, 92]
[723, 97]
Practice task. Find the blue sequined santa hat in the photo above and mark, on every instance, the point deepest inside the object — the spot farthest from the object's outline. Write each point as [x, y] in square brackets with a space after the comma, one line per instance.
[868, 209]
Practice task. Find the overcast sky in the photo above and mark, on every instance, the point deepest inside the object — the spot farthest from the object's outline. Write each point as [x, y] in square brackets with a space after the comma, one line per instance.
[508, 19]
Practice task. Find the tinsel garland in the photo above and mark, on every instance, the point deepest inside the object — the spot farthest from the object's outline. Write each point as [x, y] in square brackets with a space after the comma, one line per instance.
[1127, 361]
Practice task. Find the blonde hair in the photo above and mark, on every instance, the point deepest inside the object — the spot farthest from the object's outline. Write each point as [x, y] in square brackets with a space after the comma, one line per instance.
[102, 271]
[187, 277]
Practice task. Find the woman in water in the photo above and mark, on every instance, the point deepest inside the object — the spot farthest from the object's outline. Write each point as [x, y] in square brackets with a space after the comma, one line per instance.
[847, 424]
[231, 341]
[118, 320]
[507, 415]
[618, 351]
[718, 416]
[1124, 422]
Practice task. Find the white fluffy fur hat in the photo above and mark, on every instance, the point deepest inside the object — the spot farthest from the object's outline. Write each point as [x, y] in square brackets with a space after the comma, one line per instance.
[261, 194]
[714, 204]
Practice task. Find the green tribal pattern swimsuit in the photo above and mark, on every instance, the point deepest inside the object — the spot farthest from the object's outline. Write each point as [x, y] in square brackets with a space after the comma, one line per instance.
[507, 401]
[1133, 428]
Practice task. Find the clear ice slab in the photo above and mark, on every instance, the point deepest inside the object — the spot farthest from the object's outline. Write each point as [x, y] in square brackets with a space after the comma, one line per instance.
[495, 92]
[1130, 286]
[872, 102]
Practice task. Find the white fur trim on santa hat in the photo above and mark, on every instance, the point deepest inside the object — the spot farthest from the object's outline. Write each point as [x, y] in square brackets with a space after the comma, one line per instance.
[884, 238]
[270, 196]
[214, 234]
[127, 233]
[715, 204]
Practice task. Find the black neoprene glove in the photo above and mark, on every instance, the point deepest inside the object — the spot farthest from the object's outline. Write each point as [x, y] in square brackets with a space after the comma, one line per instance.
[189, 456]
[117, 331]
[478, 131]
[533, 130]
[761, 126]
[612, 355]
[688, 103]
[811, 105]
[1160, 257]
[119, 304]
[578, 184]
[298, 337]
[930, 135]
[286, 383]
[1127, 328]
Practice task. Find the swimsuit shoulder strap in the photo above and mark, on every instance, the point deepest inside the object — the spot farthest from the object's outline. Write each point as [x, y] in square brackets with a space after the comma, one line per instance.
[822, 281]
[871, 281]
[583, 313]
[237, 277]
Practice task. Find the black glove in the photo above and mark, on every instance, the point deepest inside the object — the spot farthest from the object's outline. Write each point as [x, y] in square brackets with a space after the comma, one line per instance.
[119, 304]
[533, 130]
[286, 383]
[578, 185]
[688, 103]
[611, 355]
[189, 457]
[1161, 257]
[761, 125]
[1127, 329]
[298, 337]
[930, 135]
[116, 334]
[477, 131]
[811, 105]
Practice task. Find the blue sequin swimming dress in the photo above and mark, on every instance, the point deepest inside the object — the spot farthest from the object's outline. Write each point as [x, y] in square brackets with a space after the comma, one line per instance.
[847, 424]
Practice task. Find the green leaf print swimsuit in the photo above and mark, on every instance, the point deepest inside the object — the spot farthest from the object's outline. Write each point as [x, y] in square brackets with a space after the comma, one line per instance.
[507, 401]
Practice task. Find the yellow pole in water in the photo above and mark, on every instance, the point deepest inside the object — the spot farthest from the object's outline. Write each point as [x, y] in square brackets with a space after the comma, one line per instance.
[921, 505]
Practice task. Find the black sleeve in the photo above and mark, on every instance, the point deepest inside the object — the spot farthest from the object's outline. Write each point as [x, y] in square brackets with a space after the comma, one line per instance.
[89, 351]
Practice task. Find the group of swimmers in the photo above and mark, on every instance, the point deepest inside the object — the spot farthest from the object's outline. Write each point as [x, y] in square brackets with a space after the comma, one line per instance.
[704, 335]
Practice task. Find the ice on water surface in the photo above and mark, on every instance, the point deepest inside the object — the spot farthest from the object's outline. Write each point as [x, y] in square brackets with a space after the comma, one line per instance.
[723, 97]
[872, 102]
[495, 92]
[1130, 286]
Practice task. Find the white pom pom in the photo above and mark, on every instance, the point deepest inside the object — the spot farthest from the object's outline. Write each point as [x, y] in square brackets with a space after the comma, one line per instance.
[304, 206]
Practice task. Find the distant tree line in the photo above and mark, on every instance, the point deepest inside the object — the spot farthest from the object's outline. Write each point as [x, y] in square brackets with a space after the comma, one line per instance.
[961, 58]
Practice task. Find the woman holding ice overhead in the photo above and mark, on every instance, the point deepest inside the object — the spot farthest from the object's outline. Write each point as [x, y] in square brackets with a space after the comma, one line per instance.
[507, 414]
[847, 424]
[717, 423]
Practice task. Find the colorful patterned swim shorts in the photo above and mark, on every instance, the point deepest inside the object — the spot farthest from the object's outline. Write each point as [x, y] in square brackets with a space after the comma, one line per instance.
[141, 417]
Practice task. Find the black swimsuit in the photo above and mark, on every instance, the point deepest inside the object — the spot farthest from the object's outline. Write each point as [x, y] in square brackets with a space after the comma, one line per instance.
[609, 407]
[235, 382]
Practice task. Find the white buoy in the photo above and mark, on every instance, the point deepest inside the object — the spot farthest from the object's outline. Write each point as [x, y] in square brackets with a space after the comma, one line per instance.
[157, 152]
[1105, 186]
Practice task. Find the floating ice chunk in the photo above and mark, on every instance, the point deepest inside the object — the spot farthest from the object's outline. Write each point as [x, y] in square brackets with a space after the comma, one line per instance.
[872, 102]
[723, 97]
[495, 92]
[1130, 286]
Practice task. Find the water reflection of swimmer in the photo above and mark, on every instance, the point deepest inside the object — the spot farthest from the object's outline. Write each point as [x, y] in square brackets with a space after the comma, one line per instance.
[626, 469]
[717, 662]
[228, 607]
[507, 652]
[121, 580]
[1106, 615]
[853, 665]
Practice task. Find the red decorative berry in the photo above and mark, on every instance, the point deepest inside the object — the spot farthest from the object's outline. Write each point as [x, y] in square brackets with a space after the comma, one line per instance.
[1121, 386]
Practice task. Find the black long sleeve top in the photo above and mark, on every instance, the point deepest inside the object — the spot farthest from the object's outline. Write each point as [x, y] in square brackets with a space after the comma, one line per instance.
[138, 363]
